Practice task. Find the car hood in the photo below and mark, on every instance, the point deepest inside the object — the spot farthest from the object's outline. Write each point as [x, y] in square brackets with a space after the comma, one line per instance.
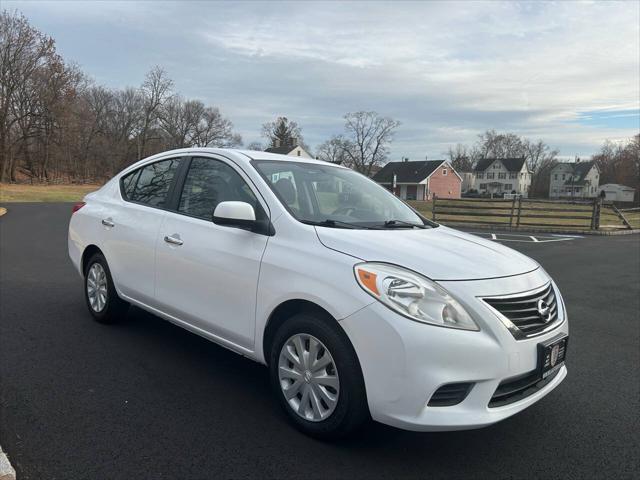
[439, 253]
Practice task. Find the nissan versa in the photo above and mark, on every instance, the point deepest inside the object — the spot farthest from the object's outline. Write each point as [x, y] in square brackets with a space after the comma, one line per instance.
[360, 307]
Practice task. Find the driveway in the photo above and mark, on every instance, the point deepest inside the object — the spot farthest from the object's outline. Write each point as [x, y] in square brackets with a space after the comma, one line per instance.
[145, 399]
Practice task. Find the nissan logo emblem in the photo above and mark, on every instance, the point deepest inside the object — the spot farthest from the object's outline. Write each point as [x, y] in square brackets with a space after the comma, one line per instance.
[544, 310]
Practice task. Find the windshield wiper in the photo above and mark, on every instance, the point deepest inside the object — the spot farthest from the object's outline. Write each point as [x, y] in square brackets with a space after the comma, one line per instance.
[401, 223]
[334, 224]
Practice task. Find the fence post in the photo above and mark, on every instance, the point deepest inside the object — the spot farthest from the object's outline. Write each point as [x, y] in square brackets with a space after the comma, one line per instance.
[595, 214]
[433, 208]
[519, 210]
[513, 206]
[621, 216]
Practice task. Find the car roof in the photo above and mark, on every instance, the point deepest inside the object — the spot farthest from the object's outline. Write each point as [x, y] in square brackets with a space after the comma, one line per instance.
[244, 156]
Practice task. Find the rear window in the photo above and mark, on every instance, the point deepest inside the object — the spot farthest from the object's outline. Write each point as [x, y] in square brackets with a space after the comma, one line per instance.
[150, 184]
[129, 183]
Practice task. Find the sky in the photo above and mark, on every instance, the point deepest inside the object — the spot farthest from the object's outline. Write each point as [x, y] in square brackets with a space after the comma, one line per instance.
[564, 72]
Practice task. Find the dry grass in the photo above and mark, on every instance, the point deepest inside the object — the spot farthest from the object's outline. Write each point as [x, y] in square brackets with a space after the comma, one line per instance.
[43, 193]
[550, 217]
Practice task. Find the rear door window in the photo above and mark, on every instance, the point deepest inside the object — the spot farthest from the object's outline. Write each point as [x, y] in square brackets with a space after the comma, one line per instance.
[129, 183]
[153, 183]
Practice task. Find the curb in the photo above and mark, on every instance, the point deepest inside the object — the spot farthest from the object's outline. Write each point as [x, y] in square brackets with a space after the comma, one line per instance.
[604, 233]
[2, 212]
[6, 470]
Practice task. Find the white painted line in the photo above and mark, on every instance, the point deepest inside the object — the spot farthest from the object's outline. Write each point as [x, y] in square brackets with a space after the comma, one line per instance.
[501, 237]
[6, 470]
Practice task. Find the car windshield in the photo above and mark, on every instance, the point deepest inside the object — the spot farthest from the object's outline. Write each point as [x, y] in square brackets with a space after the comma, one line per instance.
[336, 197]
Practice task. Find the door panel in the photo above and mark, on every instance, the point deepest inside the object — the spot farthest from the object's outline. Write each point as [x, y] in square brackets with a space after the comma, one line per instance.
[130, 248]
[207, 274]
[210, 280]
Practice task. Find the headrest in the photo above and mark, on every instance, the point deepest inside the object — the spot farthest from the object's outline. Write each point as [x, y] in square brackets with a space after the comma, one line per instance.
[287, 191]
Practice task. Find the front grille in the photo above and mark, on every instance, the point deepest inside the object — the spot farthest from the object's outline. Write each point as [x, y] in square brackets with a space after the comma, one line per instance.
[527, 311]
[519, 388]
[450, 394]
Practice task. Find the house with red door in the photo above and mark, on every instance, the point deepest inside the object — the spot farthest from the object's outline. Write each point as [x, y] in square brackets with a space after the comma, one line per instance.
[420, 180]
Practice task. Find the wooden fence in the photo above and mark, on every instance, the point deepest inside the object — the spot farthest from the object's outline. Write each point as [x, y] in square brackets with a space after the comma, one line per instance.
[522, 213]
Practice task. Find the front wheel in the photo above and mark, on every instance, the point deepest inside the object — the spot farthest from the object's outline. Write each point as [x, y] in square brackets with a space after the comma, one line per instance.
[316, 377]
[99, 292]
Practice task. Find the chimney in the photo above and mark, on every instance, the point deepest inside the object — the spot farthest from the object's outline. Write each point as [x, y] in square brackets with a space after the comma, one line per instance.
[277, 143]
[294, 142]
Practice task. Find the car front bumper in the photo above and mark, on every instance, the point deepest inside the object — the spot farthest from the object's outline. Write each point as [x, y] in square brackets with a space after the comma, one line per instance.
[404, 362]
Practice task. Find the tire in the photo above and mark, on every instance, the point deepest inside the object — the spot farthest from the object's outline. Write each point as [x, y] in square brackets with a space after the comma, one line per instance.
[105, 307]
[326, 419]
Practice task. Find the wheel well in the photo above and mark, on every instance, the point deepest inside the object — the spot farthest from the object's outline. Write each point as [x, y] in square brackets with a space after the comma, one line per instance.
[281, 314]
[87, 254]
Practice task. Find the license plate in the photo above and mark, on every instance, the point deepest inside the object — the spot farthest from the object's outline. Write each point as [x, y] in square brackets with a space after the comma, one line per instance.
[551, 355]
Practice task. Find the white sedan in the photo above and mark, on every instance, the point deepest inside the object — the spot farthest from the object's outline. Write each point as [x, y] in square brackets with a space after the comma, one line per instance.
[360, 307]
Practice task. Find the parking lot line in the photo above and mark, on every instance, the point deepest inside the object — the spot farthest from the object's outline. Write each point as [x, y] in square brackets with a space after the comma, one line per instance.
[519, 237]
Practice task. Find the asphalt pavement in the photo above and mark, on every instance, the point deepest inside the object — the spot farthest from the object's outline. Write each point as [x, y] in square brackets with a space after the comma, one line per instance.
[146, 399]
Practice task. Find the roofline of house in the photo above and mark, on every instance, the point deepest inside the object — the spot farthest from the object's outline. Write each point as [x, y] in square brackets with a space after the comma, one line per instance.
[425, 178]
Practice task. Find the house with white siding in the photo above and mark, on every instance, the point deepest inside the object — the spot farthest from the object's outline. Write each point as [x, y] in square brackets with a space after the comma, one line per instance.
[499, 176]
[574, 179]
[293, 150]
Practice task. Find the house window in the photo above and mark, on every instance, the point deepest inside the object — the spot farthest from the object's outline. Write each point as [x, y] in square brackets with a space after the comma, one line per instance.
[563, 176]
[483, 186]
[508, 186]
[480, 175]
[513, 175]
[490, 175]
[444, 171]
[502, 175]
[555, 177]
[298, 152]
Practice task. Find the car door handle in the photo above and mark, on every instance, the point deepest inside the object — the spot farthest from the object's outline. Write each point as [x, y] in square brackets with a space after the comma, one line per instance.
[173, 240]
[107, 222]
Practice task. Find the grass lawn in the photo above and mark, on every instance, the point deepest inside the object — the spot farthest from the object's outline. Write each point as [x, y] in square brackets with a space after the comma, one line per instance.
[14, 192]
[553, 219]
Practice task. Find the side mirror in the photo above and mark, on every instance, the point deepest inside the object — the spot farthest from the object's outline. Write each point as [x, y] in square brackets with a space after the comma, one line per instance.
[234, 214]
[241, 215]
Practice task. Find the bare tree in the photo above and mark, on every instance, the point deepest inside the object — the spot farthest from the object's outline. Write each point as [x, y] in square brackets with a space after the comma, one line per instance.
[367, 140]
[541, 160]
[619, 162]
[156, 89]
[23, 50]
[190, 123]
[213, 130]
[255, 146]
[461, 158]
[333, 150]
[492, 144]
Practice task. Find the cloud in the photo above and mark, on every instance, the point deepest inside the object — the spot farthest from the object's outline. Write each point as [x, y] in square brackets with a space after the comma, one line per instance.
[446, 70]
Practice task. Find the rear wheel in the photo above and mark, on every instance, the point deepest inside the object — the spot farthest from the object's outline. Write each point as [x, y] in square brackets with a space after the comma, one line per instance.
[316, 377]
[100, 294]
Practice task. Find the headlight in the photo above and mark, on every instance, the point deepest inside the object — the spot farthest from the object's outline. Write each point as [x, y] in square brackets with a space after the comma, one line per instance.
[412, 295]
